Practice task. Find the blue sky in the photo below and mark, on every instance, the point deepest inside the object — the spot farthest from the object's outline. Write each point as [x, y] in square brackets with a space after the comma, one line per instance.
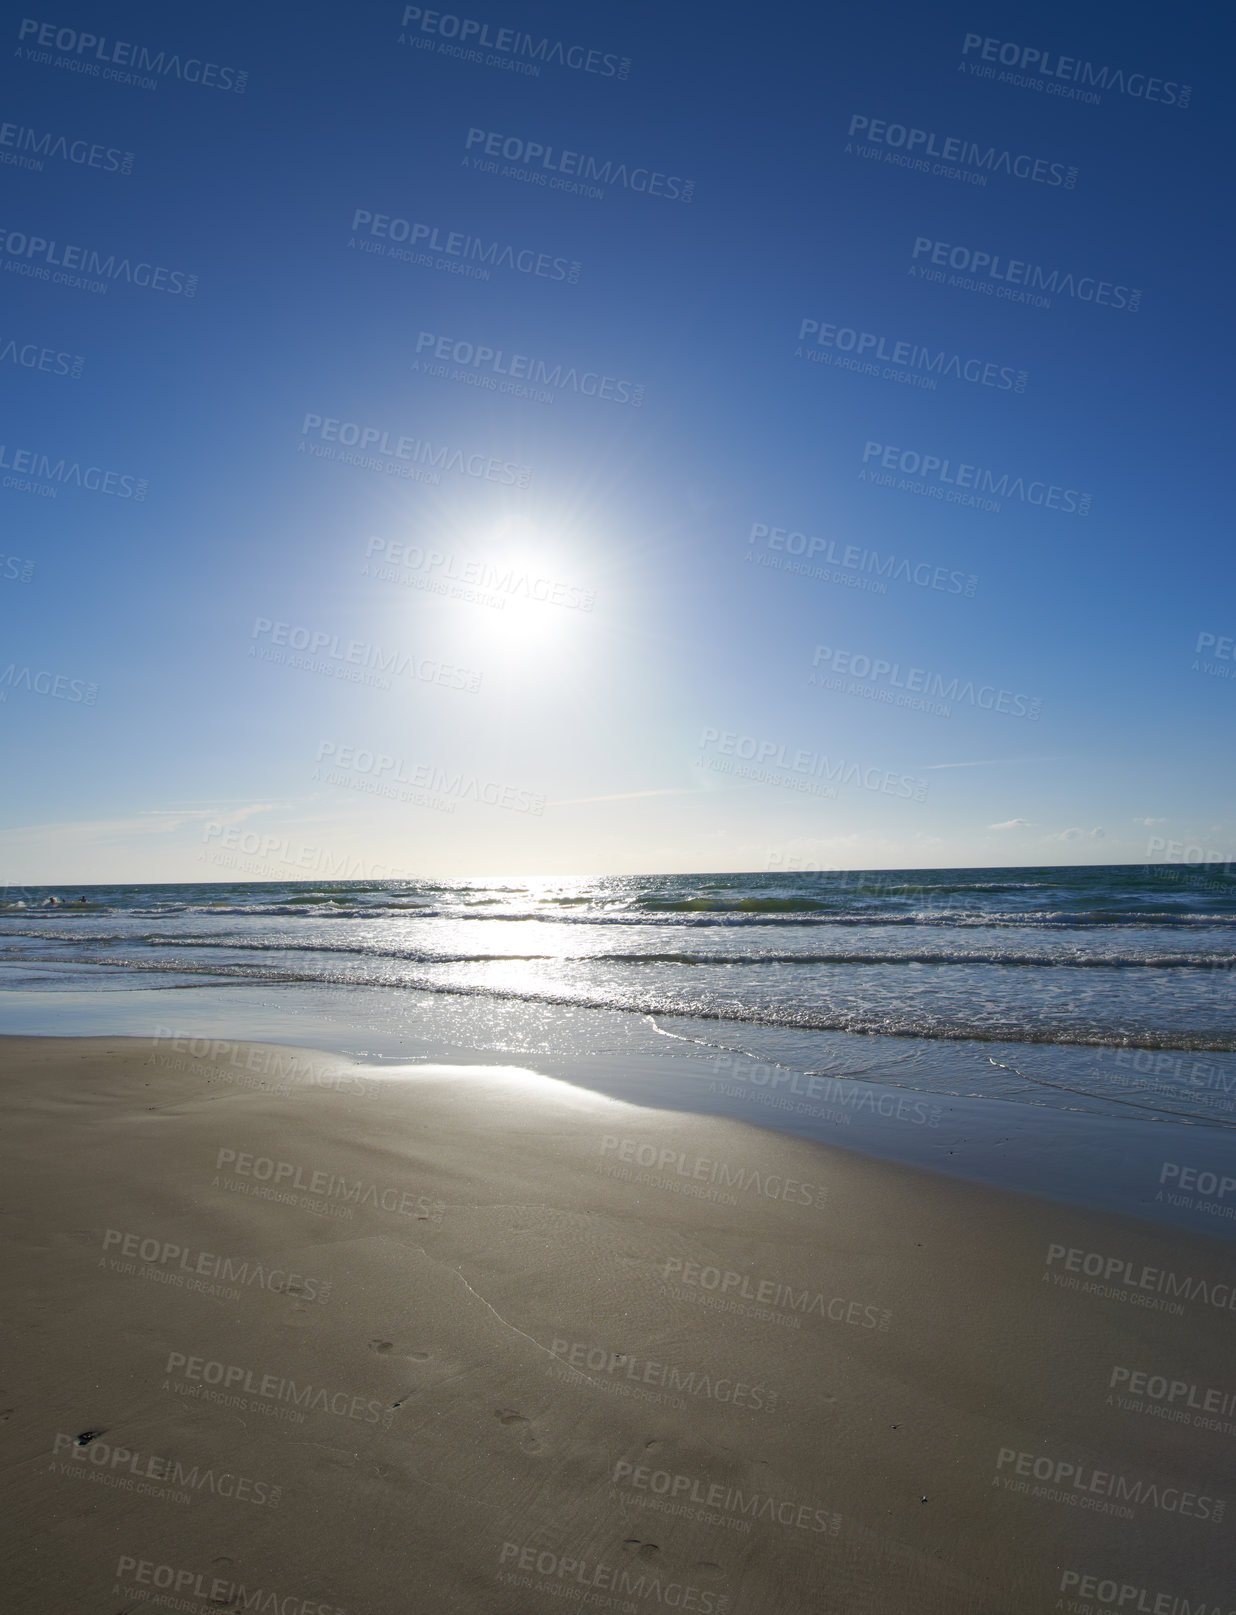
[628, 676]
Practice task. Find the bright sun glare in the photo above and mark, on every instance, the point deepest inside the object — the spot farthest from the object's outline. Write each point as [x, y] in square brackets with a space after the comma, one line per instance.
[543, 594]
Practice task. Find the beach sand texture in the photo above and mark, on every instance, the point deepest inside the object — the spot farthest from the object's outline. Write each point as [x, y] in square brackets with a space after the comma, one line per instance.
[400, 1340]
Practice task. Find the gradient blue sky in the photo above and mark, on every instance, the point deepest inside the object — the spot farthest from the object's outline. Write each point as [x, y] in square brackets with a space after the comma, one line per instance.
[600, 713]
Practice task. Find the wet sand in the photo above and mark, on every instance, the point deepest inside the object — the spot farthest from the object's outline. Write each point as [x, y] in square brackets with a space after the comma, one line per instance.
[300, 1335]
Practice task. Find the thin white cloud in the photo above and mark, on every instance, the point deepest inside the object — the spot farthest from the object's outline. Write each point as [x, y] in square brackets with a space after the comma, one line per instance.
[992, 762]
[152, 821]
[1149, 821]
[1012, 824]
[626, 796]
[986, 762]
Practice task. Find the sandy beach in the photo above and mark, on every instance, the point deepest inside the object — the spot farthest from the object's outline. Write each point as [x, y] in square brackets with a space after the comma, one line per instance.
[618, 862]
[297, 1334]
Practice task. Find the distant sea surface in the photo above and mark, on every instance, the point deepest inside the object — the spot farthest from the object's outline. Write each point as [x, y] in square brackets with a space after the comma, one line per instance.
[1099, 985]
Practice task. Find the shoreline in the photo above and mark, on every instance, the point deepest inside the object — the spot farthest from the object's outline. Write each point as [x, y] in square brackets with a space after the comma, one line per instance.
[528, 1365]
[1102, 1152]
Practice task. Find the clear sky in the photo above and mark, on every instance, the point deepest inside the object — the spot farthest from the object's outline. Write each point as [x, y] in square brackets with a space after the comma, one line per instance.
[507, 401]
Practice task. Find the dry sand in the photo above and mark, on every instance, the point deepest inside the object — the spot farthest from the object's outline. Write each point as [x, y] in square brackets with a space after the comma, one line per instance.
[391, 1341]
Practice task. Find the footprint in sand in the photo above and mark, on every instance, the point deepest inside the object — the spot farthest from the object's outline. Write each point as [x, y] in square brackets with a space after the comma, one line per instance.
[640, 1550]
[516, 1421]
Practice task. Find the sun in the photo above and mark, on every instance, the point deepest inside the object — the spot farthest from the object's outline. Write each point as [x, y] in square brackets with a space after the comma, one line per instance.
[527, 592]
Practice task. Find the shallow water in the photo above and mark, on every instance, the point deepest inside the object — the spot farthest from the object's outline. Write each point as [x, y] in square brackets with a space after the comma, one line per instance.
[1096, 990]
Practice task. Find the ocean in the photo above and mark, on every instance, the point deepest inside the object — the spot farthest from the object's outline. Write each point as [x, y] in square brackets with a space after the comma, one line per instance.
[1101, 989]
